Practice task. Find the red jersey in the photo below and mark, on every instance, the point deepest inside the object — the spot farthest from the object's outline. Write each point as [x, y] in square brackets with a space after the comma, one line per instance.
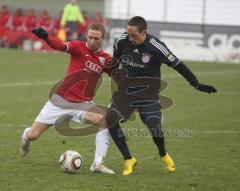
[30, 22]
[83, 73]
[17, 21]
[4, 17]
[45, 22]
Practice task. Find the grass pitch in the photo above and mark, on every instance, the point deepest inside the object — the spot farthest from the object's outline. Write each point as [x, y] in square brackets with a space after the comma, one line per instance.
[202, 132]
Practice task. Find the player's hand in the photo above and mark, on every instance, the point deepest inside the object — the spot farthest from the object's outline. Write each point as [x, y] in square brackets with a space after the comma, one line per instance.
[41, 33]
[120, 77]
[206, 88]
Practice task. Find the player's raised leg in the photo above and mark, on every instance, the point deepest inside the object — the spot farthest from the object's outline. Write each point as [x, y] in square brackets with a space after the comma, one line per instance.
[31, 134]
[96, 116]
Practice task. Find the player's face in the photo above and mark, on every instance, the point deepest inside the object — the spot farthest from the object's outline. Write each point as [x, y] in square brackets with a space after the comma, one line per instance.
[94, 39]
[136, 37]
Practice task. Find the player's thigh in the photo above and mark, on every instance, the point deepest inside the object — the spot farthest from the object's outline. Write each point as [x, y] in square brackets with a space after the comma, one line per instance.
[122, 105]
[95, 115]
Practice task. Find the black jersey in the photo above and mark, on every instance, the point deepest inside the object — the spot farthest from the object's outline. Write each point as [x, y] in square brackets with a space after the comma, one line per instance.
[144, 59]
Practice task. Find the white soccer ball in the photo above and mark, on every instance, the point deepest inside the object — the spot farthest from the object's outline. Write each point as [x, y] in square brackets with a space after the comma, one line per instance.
[70, 161]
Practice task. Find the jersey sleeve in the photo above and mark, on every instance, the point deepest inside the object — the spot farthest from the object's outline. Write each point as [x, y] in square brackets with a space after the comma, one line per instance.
[73, 48]
[56, 44]
[164, 54]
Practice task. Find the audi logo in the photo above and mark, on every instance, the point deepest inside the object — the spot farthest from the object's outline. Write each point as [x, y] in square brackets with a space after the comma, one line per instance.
[94, 67]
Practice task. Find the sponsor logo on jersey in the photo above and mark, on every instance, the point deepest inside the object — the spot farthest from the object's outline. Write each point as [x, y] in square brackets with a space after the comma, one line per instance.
[101, 60]
[94, 67]
[136, 50]
[134, 64]
[146, 58]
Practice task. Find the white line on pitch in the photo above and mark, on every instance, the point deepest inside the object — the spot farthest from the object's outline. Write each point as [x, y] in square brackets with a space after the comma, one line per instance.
[20, 84]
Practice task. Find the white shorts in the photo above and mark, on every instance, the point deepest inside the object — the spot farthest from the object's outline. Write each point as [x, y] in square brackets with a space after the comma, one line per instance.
[57, 107]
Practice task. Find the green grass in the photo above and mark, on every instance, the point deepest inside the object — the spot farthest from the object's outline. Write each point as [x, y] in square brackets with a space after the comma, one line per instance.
[206, 153]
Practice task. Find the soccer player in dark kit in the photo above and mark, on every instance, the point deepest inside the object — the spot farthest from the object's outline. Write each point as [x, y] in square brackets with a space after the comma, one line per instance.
[138, 57]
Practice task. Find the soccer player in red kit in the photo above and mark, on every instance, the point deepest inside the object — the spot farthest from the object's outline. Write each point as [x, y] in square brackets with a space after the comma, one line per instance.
[74, 95]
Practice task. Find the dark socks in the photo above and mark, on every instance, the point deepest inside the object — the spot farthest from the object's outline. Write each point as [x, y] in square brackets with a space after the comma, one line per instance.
[154, 126]
[118, 137]
[159, 141]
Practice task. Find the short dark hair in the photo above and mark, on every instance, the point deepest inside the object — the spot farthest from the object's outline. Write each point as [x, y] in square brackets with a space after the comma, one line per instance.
[98, 27]
[139, 22]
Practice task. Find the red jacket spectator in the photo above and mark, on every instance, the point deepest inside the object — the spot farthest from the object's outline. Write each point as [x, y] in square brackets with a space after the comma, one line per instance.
[30, 20]
[17, 20]
[4, 16]
[45, 21]
[82, 28]
[98, 18]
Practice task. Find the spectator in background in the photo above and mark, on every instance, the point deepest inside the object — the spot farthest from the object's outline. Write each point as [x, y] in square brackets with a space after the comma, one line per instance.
[71, 14]
[45, 21]
[17, 20]
[4, 17]
[56, 24]
[30, 20]
[82, 27]
[98, 18]
[15, 37]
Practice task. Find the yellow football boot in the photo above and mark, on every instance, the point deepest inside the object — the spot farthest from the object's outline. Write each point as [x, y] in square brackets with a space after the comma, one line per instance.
[128, 166]
[168, 161]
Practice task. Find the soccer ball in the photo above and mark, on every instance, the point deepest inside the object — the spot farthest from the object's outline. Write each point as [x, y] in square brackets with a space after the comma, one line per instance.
[70, 161]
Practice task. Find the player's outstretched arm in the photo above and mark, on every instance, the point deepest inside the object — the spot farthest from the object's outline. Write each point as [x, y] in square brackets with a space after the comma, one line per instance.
[192, 79]
[52, 42]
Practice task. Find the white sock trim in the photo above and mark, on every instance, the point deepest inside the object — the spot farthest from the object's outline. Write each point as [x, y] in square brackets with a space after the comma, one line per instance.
[24, 136]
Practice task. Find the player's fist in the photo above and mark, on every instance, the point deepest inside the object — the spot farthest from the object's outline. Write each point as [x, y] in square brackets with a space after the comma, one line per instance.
[206, 88]
[120, 77]
[41, 33]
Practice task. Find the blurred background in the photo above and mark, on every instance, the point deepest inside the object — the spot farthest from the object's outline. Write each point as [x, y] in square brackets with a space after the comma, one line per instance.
[207, 30]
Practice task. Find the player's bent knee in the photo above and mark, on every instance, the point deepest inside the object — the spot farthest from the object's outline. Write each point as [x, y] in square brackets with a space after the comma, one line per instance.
[93, 118]
[152, 121]
[98, 120]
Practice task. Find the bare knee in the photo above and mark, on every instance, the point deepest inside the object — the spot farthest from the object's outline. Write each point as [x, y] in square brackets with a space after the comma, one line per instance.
[97, 119]
[101, 121]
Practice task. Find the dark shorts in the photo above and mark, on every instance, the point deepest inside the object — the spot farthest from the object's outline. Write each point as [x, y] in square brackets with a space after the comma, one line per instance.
[126, 104]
